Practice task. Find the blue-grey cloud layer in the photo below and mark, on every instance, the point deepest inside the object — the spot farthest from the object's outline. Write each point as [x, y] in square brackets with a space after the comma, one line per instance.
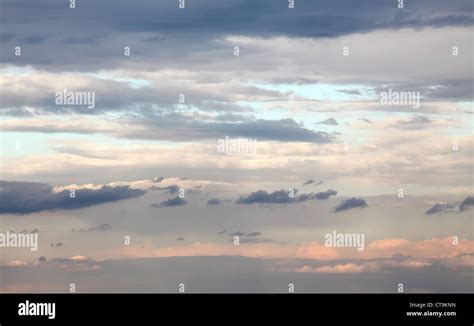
[232, 274]
[27, 197]
[180, 128]
[466, 204]
[91, 24]
[176, 201]
[350, 204]
[282, 197]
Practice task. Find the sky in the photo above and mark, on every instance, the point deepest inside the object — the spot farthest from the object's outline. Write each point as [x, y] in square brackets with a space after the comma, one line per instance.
[219, 145]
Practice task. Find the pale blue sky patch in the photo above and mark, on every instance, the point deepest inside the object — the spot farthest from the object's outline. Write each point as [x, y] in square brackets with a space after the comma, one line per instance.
[135, 83]
[18, 144]
[17, 70]
[322, 91]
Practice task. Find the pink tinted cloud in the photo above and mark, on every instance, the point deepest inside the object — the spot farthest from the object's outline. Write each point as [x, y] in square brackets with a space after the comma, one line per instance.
[384, 248]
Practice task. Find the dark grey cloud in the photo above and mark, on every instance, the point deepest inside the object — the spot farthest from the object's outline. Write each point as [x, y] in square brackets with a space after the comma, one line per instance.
[329, 121]
[26, 197]
[238, 233]
[254, 234]
[440, 207]
[366, 120]
[261, 196]
[278, 130]
[350, 203]
[176, 201]
[178, 127]
[213, 202]
[282, 197]
[311, 181]
[96, 28]
[102, 227]
[468, 202]
[105, 227]
[451, 207]
[180, 238]
[325, 194]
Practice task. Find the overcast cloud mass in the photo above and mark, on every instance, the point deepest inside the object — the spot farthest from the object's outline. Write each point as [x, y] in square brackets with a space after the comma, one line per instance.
[220, 145]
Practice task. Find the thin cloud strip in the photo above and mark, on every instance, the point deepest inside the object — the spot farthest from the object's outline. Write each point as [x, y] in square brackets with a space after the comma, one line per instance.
[435, 248]
[176, 127]
[282, 197]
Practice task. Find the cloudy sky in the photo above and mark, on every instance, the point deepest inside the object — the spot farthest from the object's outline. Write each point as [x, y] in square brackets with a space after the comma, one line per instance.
[135, 194]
